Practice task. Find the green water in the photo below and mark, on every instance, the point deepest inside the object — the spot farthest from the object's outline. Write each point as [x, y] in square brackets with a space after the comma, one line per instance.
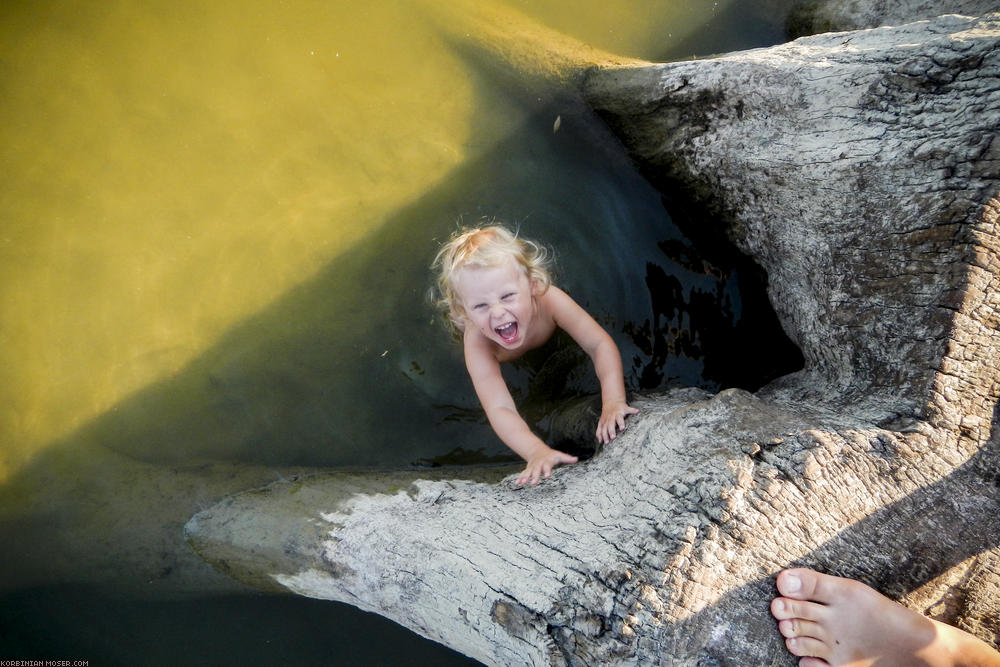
[215, 223]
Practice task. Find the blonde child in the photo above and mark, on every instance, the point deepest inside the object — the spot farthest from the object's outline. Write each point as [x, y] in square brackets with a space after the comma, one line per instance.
[496, 290]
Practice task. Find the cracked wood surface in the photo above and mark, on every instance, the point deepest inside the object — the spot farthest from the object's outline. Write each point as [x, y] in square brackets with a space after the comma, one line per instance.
[858, 170]
[861, 170]
[811, 18]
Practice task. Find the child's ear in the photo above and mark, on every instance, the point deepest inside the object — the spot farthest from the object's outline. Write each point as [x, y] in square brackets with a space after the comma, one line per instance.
[537, 289]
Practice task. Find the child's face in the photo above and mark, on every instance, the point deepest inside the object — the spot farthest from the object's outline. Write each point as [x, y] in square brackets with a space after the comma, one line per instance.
[498, 302]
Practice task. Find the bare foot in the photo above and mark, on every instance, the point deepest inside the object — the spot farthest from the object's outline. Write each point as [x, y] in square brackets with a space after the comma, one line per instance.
[841, 622]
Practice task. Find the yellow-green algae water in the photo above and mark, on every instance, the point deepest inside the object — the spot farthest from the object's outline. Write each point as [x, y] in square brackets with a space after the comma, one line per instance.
[171, 168]
[215, 220]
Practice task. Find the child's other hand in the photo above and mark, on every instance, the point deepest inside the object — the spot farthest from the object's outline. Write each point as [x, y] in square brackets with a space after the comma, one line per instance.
[613, 420]
[541, 465]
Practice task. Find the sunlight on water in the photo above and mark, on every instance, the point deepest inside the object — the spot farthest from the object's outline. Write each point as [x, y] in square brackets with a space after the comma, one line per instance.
[640, 29]
[171, 168]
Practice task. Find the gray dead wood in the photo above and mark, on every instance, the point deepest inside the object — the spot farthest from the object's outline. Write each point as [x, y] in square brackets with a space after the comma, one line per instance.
[814, 17]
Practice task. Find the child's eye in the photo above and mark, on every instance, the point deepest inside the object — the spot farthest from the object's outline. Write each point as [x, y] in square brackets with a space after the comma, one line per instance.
[479, 306]
[508, 296]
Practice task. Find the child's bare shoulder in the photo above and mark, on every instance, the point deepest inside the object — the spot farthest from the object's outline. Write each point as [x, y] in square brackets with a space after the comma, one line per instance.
[475, 342]
[557, 303]
[551, 299]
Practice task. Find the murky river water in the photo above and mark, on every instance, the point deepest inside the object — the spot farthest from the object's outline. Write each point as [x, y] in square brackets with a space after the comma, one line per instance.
[215, 225]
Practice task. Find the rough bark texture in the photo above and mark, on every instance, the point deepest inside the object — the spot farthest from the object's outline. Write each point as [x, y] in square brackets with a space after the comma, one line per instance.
[861, 171]
[810, 18]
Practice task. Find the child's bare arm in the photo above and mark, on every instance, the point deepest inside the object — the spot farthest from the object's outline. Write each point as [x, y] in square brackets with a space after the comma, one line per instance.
[502, 413]
[592, 337]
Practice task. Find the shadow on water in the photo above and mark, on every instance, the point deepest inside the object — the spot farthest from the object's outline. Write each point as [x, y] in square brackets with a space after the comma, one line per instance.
[738, 26]
[82, 623]
[353, 368]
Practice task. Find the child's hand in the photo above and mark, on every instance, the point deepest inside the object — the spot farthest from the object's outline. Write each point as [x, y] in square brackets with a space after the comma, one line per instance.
[612, 416]
[541, 465]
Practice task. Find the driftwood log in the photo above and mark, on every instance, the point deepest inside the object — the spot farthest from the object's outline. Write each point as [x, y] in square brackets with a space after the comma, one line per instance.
[861, 171]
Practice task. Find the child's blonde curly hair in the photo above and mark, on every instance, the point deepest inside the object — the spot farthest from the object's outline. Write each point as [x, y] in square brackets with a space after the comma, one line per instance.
[486, 247]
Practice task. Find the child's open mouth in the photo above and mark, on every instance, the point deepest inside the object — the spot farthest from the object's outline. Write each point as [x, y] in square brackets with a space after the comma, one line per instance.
[508, 332]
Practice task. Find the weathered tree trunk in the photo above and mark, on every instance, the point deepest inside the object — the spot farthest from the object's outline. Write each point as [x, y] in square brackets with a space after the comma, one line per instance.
[812, 17]
[861, 171]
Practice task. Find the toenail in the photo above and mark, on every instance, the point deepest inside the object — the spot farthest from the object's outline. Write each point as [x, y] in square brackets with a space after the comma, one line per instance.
[792, 583]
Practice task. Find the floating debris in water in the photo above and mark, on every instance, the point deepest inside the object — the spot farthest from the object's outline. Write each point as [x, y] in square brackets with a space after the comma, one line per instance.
[555, 125]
